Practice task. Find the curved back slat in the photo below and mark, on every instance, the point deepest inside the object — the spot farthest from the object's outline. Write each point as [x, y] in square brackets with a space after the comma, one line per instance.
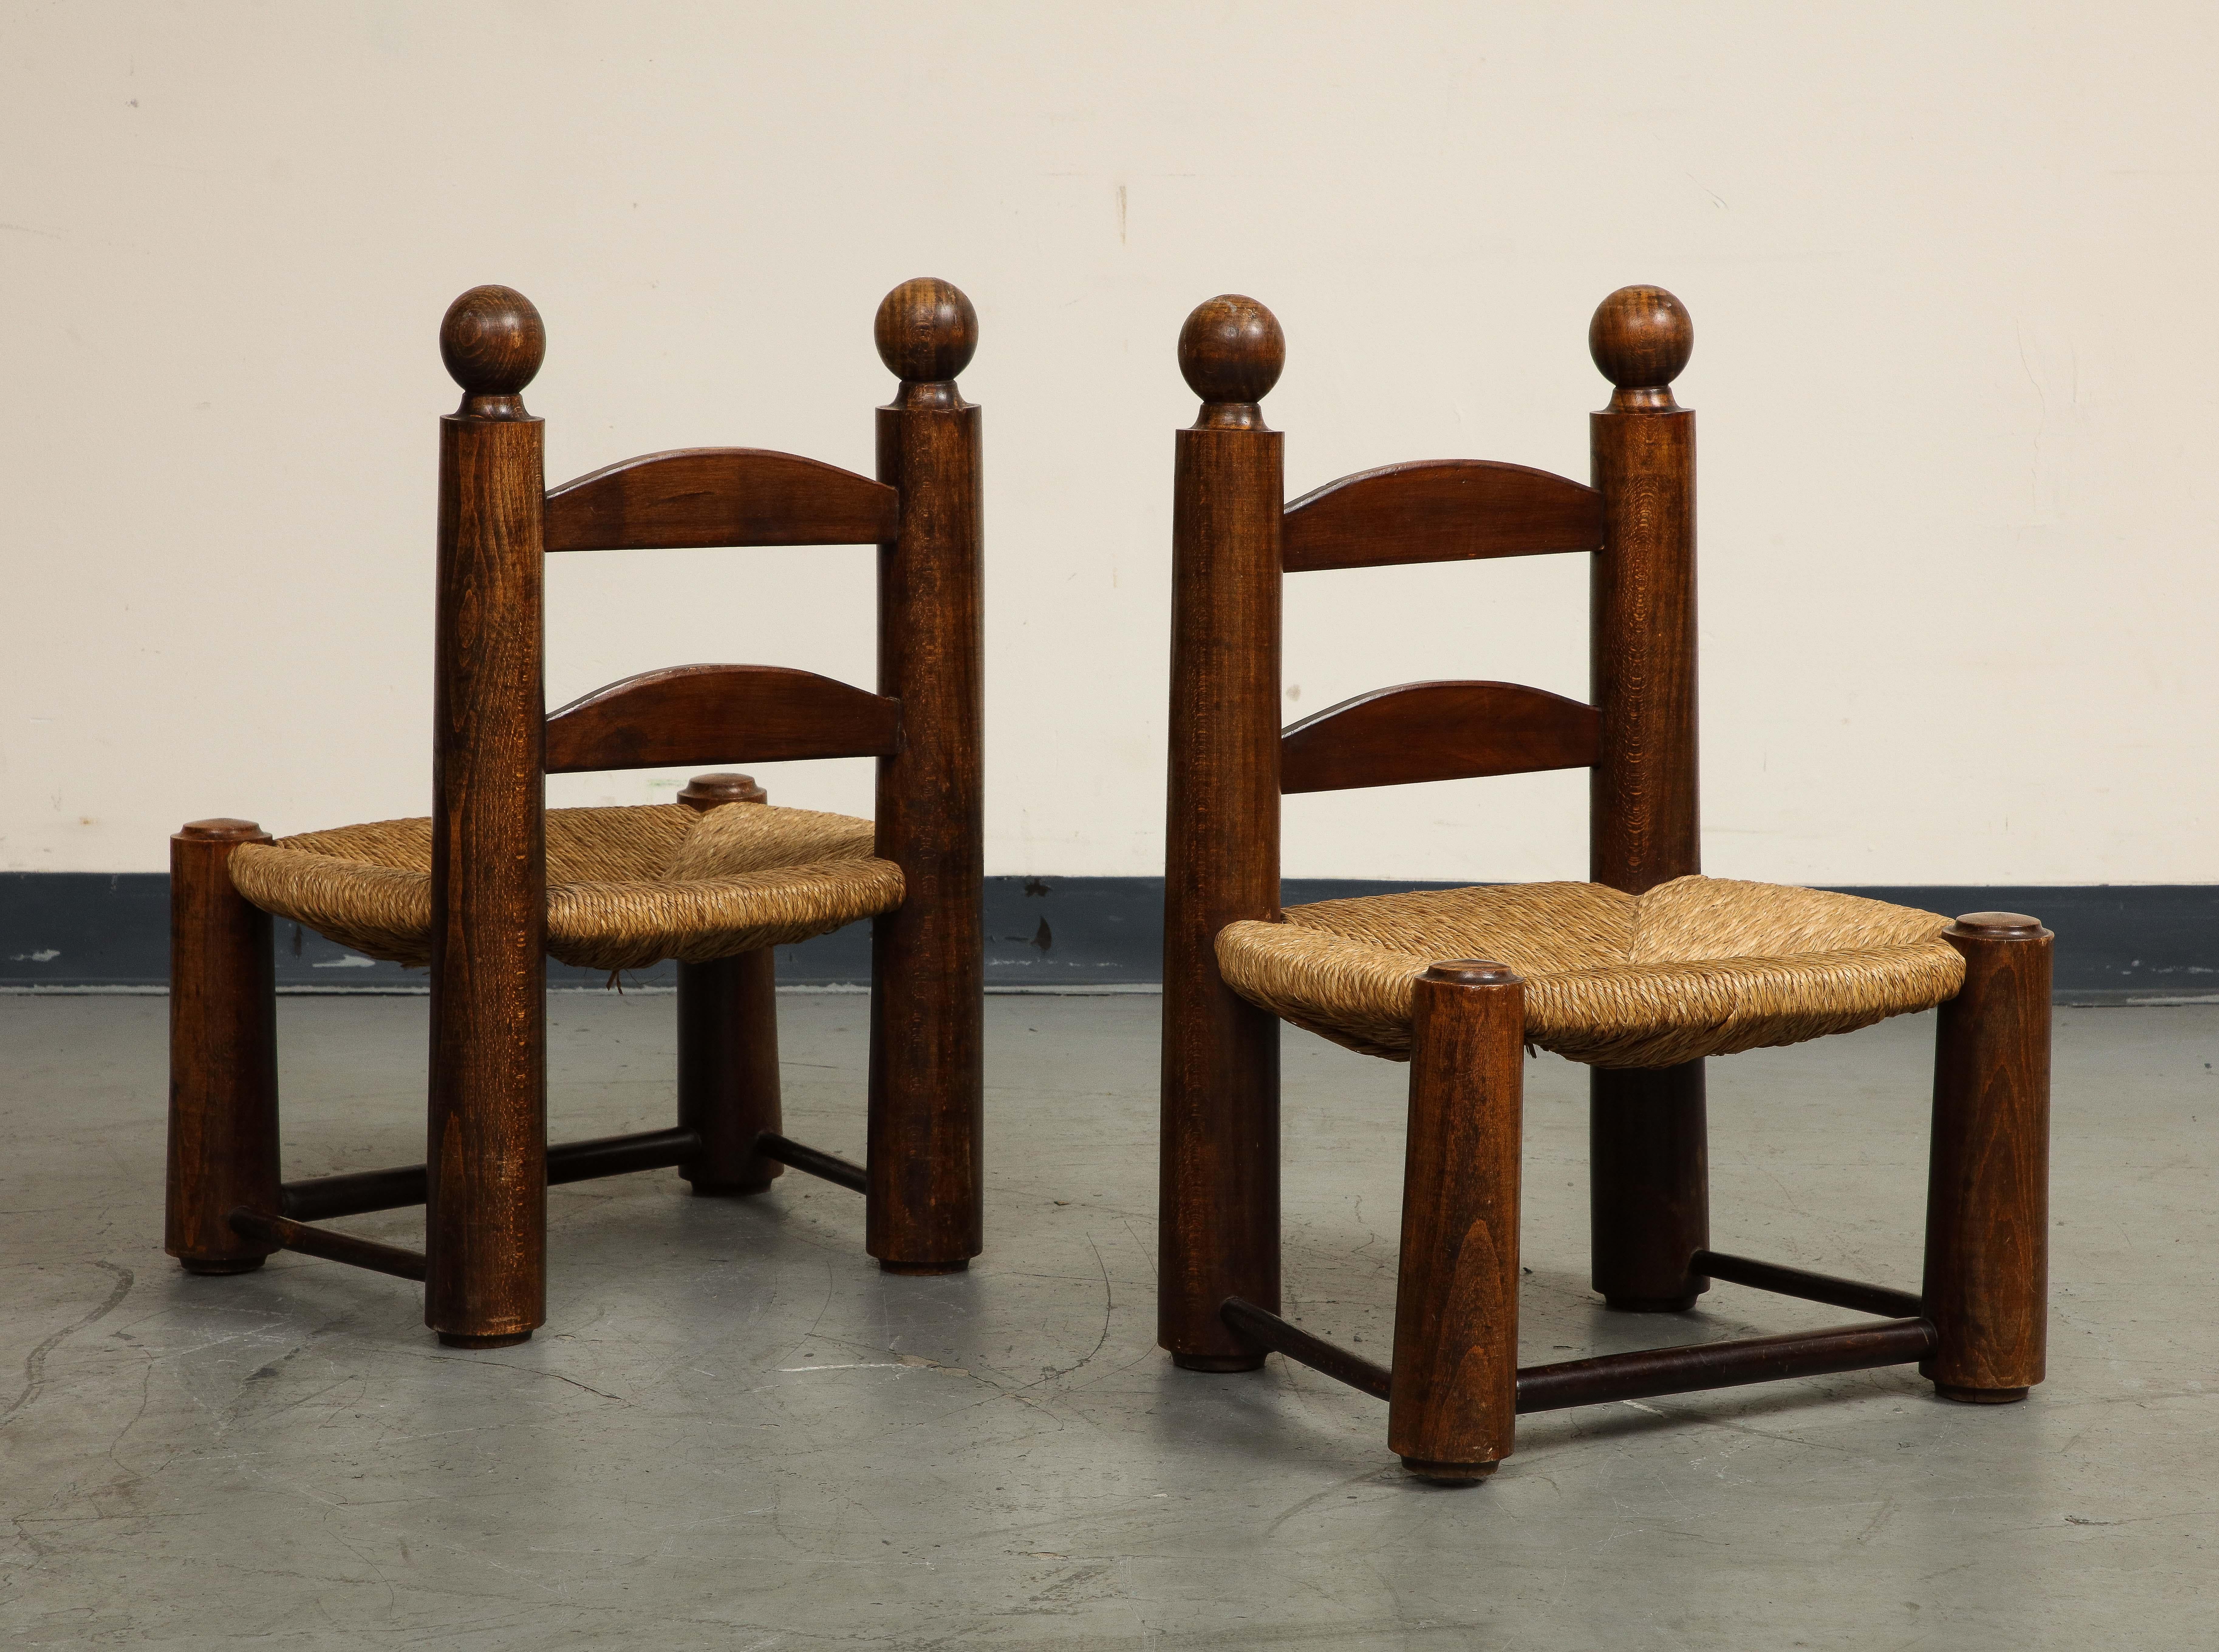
[719, 714]
[718, 496]
[1439, 510]
[1436, 731]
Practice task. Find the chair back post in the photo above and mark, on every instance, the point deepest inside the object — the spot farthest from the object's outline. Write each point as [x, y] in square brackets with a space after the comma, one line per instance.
[486, 1153]
[1649, 1181]
[1642, 798]
[1219, 1236]
[927, 1076]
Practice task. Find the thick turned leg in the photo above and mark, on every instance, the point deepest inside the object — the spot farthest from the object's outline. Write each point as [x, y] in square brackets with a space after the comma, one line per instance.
[1649, 1186]
[1987, 1191]
[223, 1054]
[728, 1071]
[1454, 1399]
[485, 1215]
[728, 1042]
[924, 1206]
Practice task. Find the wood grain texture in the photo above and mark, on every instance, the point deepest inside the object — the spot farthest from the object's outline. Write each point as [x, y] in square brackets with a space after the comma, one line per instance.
[1642, 818]
[1649, 1200]
[486, 1133]
[1648, 1188]
[728, 1080]
[718, 496]
[709, 713]
[1450, 1415]
[223, 1054]
[1219, 1235]
[1435, 731]
[1440, 510]
[1987, 1200]
[925, 1209]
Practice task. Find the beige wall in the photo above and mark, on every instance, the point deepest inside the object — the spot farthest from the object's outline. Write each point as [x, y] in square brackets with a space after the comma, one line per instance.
[1949, 267]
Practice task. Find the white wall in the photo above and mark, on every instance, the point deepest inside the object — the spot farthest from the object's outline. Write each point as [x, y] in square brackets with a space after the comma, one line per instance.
[1949, 268]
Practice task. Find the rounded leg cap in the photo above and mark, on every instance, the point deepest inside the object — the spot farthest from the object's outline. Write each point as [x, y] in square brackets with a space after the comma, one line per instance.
[220, 1264]
[924, 1269]
[1218, 1362]
[1450, 1474]
[1652, 1304]
[464, 1339]
[1979, 1396]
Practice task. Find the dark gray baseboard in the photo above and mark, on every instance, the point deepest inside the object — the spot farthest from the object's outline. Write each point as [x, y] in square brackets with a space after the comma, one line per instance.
[2116, 943]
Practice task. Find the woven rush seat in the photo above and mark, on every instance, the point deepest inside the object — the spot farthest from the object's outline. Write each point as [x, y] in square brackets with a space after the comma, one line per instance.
[626, 887]
[1697, 967]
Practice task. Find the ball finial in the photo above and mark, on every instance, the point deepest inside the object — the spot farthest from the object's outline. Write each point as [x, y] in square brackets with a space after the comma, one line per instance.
[1641, 338]
[1231, 349]
[926, 330]
[492, 343]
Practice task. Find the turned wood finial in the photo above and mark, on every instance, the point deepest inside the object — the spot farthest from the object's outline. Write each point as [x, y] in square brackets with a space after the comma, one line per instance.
[492, 342]
[1641, 338]
[926, 332]
[1231, 351]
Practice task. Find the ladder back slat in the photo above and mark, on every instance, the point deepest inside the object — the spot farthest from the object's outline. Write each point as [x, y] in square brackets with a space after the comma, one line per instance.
[1440, 510]
[1436, 731]
[718, 496]
[688, 715]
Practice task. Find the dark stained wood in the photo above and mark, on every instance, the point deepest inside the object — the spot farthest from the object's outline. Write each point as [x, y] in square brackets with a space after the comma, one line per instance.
[1642, 802]
[1268, 1330]
[487, 1135]
[1987, 1199]
[1435, 731]
[727, 1085]
[925, 1206]
[718, 496]
[927, 332]
[1440, 510]
[492, 341]
[700, 714]
[828, 1167]
[1808, 1286]
[1451, 1415]
[260, 1227]
[1649, 1201]
[1723, 1365]
[1231, 352]
[321, 1198]
[1219, 1235]
[223, 1054]
[1641, 338]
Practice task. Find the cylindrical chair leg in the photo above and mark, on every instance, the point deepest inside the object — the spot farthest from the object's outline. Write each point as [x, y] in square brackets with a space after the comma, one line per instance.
[727, 1087]
[1987, 1192]
[728, 1071]
[925, 1204]
[1453, 1401]
[1649, 1186]
[223, 1054]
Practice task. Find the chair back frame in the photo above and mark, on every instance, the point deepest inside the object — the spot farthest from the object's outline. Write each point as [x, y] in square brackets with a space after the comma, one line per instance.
[1234, 541]
[486, 1124]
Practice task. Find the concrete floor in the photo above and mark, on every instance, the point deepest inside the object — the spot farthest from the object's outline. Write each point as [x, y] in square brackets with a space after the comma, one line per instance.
[734, 1432]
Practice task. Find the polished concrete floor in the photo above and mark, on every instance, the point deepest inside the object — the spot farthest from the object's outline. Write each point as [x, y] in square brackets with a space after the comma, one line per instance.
[734, 1432]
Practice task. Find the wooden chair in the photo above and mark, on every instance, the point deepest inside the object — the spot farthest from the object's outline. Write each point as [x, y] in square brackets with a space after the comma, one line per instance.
[714, 881]
[1641, 973]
